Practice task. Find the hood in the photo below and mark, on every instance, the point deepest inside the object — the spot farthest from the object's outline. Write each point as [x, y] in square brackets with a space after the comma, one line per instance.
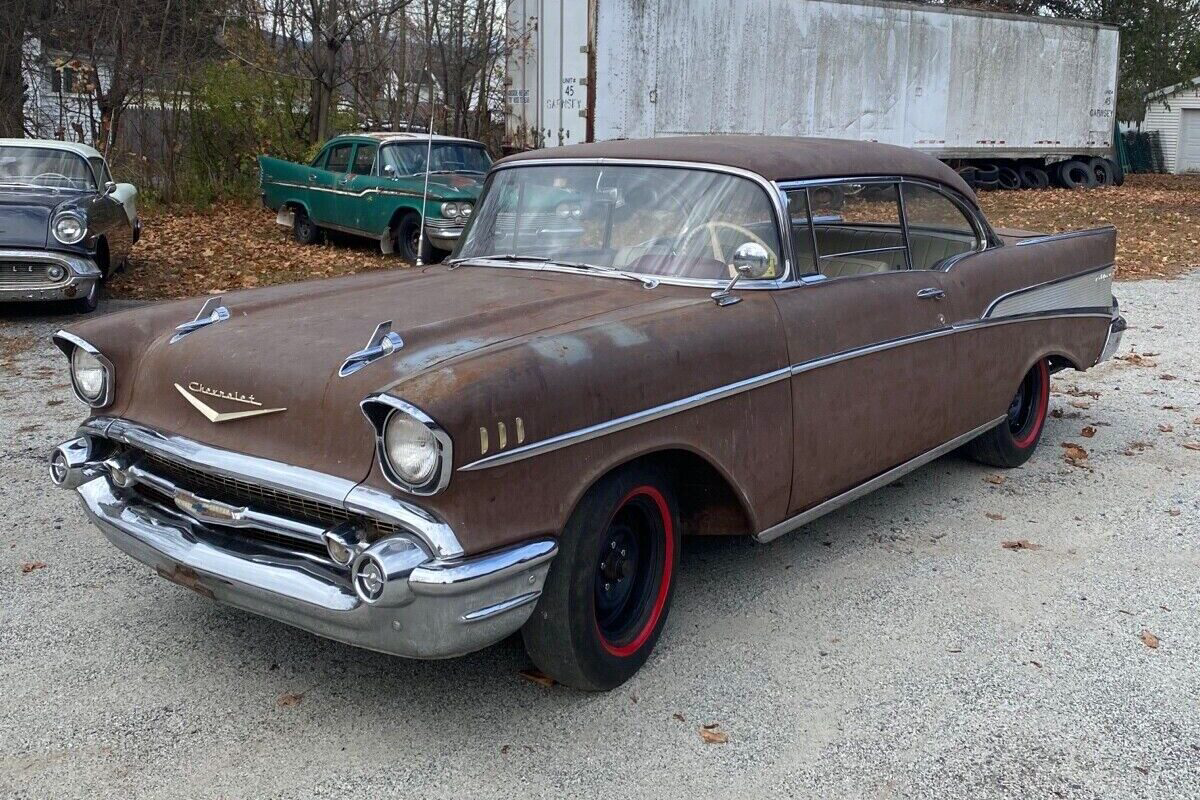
[282, 348]
[25, 217]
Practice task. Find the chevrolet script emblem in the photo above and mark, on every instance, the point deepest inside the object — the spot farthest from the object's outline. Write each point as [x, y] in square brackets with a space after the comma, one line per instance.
[211, 414]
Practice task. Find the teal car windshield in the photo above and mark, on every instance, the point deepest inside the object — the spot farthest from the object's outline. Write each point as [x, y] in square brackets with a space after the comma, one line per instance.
[658, 221]
[408, 159]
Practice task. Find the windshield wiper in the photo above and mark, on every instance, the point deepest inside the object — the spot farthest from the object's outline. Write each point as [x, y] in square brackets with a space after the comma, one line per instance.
[456, 262]
[646, 280]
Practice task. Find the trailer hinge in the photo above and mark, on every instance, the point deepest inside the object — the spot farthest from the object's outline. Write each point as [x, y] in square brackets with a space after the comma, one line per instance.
[583, 113]
[583, 48]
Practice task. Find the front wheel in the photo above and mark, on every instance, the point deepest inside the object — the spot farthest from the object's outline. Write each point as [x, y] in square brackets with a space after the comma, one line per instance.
[409, 243]
[1012, 442]
[606, 598]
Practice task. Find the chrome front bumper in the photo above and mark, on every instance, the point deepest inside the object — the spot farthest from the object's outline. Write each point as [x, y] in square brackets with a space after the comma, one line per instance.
[443, 233]
[21, 279]
[430, 607]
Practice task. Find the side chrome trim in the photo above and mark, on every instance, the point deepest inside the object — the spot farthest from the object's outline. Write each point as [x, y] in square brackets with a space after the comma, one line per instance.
[834, 503]
[627, 421]
[728, 390]
[1054, 237]
[1091, 288]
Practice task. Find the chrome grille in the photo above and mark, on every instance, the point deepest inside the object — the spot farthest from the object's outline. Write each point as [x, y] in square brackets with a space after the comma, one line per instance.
[23, 275]
[260, 498]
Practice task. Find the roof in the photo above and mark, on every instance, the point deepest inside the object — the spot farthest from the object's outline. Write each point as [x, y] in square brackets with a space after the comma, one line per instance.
[776, 158]
[407, 136]
[55, 144]
[1173, 88]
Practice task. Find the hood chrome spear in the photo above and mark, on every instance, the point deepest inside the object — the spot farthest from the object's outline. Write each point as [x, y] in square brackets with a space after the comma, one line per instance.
[211, 312]
[383, 342]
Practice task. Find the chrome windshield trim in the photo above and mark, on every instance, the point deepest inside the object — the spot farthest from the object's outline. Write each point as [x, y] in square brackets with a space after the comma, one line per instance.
[728, 390]
[318, 486]
[774, 196]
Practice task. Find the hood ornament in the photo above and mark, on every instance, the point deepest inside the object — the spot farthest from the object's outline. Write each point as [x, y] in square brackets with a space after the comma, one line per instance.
[383, 342]
[211, 312]
[211, 414]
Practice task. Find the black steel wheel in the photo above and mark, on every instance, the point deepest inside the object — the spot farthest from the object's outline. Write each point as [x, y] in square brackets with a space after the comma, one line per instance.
[304, 230]
[1012, 442]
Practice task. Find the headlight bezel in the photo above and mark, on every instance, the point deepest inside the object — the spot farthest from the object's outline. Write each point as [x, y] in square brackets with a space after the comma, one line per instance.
[69, 215]
[380, 410]
[450, 209]
[68, 343]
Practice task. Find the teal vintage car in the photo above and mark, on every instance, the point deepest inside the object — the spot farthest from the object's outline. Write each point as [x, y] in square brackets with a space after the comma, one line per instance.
[371, 185]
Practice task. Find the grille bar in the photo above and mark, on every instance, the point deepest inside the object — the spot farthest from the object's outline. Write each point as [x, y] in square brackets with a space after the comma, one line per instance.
[17, 275]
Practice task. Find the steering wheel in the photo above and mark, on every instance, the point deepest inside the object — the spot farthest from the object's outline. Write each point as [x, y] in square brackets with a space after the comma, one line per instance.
[37, 178]
[714, 241]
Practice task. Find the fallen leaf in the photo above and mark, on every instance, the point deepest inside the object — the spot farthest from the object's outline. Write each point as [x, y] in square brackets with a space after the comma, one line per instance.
[289, 699]
[1192, 445]
[1088, 432]
[679, 716]
[1143, 770]
[1020, 544]
[504, 750]
[1196, 421]
[1166, 376]
[30, 566]
[1135, 360]
[538, 677]
[711, 735]
[994, 516]
[1036, 664]
[1081, 404]
[1174, 512]
[1149, 639]
[1074, 455]
[995, 479]
[1165, 428]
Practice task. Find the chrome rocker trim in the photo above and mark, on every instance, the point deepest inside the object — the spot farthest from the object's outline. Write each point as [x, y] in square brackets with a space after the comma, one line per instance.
[81, 278]
[865, 488]
[434, 609]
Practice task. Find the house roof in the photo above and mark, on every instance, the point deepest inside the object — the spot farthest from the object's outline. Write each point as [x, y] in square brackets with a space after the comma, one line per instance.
[776, 158]
[1173, 88]
[53, 144]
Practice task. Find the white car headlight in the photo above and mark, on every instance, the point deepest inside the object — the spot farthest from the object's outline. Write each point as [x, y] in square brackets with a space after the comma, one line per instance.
[410, 447]
[465, 210]
[415, 454]
[450, 210]
[91, 372]
[69, 228]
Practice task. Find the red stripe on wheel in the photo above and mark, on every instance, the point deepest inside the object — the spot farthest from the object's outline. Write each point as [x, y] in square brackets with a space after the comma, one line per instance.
[1043, 401]
[660, 602]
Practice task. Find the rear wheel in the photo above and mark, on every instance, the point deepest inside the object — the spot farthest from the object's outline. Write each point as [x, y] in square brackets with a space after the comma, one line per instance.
[304, 230]
[1012, 442]
[609, 589]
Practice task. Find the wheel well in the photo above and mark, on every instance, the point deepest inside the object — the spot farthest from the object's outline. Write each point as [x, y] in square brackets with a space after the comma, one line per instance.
[708, 504]
[1059, 362]
[295, 205]
[399, 214]
[102, 255]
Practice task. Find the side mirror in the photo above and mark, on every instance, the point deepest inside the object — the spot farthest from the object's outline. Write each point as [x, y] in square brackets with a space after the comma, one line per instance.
[389, 171]
[109, 188]
[751, 261]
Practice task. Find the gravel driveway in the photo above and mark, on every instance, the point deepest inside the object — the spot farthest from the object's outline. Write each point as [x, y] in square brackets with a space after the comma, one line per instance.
[892, 649]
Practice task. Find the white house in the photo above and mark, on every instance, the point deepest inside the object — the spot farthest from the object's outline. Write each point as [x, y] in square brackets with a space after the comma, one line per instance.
[1175, 113]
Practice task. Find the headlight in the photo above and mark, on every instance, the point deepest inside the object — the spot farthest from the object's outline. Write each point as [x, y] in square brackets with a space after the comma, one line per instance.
[569, 210]
[414, 452]
[450, 210]
[69, 228]
[91, 372]
[465, 210]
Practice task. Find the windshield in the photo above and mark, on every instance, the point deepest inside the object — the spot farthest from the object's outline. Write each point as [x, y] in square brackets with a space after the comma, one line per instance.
[44, 166]
[661, 221]
[409, 159]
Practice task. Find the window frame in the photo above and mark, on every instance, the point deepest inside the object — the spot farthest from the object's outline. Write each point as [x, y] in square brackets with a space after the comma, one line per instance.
[371, 172]
[352, 145]
[983, 231]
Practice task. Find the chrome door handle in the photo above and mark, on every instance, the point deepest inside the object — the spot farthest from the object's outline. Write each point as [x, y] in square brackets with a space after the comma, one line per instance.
[931, 293]
[312, 177]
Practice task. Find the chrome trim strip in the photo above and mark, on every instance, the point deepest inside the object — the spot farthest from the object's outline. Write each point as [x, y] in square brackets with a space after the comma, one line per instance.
[774, 195]
[314, 485]
[448, 577]
[728, 390]
[1054, 237]
[834, 503]
[627, 421]
[82, 267]
[67, 342]
[210, 313]
[1052, 282]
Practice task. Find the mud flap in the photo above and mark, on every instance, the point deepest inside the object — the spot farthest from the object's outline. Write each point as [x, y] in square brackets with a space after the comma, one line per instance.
[285, 217]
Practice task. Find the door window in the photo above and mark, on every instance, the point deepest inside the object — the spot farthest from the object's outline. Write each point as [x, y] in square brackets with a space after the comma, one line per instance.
[339, 158]
[938, 228]
[364, 160]
[848, 228]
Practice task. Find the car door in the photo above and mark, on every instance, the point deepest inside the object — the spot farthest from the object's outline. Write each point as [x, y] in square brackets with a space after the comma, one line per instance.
[875, 369]
[359, 201]
[324, 184]
[113, 211]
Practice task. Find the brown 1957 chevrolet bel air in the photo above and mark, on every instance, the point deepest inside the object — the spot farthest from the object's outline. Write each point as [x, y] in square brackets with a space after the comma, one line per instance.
[635, 340]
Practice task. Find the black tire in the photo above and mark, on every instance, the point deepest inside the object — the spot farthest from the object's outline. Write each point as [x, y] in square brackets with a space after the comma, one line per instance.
[1118, 172]
[1076, 174]
[970, 176]
[1008, 178]
[1104, 170]
[987, 173]
[304, 230]
[1012, 442]
[609, 589]
[1033, 177]
[407, 234]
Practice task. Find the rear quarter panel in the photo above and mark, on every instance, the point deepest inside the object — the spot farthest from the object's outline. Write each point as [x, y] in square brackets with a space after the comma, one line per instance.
[283, 183]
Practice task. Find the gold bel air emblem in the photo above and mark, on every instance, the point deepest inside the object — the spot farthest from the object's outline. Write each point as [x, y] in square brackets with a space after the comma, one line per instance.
[212, 415]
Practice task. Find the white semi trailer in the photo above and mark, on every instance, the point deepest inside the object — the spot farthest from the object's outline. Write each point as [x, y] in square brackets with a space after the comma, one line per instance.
[1001, 96]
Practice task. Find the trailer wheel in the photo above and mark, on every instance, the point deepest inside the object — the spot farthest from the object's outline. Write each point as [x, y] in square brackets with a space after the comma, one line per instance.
[1104, 170]
[987, 176]
[1076, 174]
[1033, 177]
[1118, 172]
[1008, 178]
